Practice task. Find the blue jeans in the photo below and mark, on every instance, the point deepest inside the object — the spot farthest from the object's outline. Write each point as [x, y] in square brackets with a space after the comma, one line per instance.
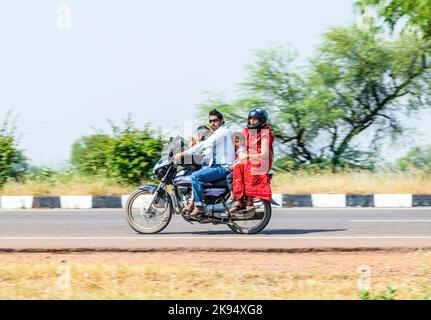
[206, 174]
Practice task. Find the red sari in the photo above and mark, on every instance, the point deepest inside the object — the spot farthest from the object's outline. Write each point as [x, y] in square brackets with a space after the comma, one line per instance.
[250, 177]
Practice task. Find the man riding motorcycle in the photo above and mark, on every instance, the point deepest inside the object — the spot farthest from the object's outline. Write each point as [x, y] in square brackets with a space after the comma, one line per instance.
[222, 157]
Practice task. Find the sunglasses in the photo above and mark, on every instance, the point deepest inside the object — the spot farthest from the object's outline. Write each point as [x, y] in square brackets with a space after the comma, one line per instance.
[214, 120]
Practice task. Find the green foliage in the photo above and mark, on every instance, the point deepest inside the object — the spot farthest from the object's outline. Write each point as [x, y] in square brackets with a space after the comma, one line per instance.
[126, 155]
[89, 153]
[132, 154]
[364, 294]
[418, 158]
[388, 293]
[41, 174]
[417, 13]
[354, 90]
[12, 160]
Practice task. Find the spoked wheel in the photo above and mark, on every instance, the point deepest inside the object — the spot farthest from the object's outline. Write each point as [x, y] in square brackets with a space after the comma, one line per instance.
[256, 222]
[153, 220]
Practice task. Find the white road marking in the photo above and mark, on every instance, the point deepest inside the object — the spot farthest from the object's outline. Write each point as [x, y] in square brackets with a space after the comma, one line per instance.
[347, 209]
[390, 220]
[238, 237]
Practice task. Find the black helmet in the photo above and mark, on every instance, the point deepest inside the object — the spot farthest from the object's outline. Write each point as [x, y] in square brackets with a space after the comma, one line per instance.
[258, 113]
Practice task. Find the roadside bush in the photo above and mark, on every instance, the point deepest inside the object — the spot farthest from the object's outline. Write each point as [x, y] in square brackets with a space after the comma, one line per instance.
[126, 155]
[418, 158]
[44, 174]
[12, 160]
[89, 154]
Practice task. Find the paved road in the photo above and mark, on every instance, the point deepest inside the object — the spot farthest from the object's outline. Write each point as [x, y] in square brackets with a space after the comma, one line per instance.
[288, 229]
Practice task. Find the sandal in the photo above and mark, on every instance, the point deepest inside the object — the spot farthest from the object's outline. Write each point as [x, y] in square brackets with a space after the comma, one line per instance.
[250, 205]
[230, 200]
[238, 205]
[250, 208]
[189, 208]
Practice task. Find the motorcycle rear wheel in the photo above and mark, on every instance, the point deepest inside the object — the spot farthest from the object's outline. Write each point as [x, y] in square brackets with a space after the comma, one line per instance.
[241, 227]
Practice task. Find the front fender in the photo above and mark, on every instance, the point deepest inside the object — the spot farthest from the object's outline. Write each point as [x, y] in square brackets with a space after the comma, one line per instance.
[148, 187]
[152, 188]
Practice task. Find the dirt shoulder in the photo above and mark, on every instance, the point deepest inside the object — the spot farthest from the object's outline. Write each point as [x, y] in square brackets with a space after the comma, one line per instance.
[334, 261]
[217, 275]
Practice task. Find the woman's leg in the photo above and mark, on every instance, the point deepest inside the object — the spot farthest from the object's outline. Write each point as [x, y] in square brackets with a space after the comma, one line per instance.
[238, 181]
[257, 185]
[238, 187]
[250, 205]
[229, 180]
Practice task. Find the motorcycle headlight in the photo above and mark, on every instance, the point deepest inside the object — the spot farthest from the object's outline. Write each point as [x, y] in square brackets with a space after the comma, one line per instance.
[160, 173]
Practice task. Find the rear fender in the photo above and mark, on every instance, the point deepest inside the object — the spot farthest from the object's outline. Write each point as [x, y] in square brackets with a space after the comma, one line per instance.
[274, 202]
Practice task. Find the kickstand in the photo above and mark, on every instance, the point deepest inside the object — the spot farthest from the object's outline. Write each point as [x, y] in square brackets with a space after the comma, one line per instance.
[186, 219]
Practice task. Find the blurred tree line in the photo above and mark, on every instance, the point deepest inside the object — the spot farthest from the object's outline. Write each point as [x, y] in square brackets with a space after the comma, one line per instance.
[361, 85]
[125, 155]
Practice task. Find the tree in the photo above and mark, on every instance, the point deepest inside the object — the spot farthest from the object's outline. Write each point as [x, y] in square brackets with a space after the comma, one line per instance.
[13, 163]
[416, 13]
[357, 85]
[126, 155]
[369, 83]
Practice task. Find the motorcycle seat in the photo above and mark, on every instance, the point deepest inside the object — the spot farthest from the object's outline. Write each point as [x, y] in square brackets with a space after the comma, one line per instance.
[186, 180]
[219, 183]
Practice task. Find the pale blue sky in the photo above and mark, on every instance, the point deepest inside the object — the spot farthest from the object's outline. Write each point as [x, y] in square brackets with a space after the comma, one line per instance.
[154, 59]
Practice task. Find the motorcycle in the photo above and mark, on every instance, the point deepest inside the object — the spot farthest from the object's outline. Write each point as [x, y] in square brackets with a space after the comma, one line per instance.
[149, 209]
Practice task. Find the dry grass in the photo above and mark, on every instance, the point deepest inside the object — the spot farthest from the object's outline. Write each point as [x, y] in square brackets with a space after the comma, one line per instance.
[77, 185]
[351, 183]
[213, 276]
[286, 183]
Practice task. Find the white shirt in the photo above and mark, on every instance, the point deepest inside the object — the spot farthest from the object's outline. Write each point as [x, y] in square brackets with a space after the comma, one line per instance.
[221, 145]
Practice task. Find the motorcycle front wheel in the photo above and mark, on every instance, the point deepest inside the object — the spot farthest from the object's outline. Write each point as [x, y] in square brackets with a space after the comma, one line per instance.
[150, 221]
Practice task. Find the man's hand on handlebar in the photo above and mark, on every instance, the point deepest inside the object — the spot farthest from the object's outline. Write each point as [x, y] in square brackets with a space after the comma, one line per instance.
[179, 156]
